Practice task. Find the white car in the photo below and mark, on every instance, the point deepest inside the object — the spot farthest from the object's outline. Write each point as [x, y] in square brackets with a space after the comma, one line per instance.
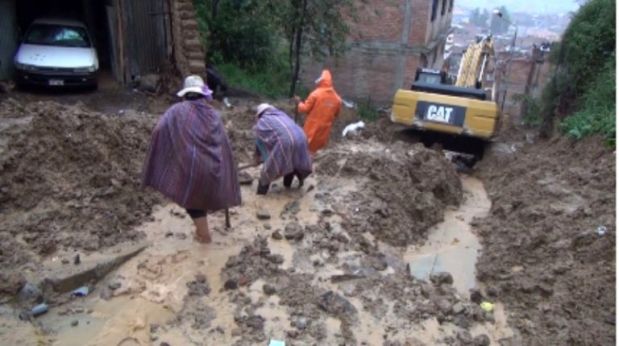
[56, 52]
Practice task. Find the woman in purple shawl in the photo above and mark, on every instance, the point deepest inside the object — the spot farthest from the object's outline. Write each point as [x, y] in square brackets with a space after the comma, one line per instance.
[190, 158]
[282, 146]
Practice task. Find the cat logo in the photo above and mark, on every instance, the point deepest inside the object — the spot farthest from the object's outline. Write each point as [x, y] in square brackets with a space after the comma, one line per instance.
[441, 114]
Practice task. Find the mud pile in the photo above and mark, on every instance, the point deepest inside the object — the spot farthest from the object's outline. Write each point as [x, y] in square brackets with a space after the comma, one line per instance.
[69, 179]
[549, 242]
[392, 303]
[406, 188]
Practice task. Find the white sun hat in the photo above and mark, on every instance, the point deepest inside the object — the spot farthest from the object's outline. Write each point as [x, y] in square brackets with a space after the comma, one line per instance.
[194, 84]
[261, 108]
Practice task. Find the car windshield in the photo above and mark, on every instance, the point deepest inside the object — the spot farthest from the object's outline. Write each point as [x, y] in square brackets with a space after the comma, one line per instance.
[57, 35]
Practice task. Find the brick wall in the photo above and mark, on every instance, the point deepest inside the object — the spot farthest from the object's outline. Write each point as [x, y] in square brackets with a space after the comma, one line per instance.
[389, 40]
[189, 51]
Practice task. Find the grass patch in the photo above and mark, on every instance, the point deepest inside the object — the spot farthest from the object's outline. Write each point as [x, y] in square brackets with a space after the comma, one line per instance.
[597, 113]
[270, 82]
[367, 110]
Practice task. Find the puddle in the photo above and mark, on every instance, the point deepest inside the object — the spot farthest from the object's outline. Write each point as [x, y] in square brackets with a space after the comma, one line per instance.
[452, 246]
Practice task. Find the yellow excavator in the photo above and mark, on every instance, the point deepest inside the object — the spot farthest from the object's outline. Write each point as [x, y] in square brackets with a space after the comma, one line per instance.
[462, 113]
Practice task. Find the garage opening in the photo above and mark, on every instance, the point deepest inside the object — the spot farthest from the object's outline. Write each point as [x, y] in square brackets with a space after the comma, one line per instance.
[92, 13]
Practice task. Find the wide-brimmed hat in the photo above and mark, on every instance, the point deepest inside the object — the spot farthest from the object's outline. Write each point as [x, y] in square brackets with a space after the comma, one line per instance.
[194, 84]
[261, 108]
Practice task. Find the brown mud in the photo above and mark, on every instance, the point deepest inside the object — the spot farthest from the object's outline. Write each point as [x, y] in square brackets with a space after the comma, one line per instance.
[358, 256]
[542, 253]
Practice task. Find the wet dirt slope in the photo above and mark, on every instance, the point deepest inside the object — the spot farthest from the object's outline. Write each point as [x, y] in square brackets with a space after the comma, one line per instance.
[542, 254]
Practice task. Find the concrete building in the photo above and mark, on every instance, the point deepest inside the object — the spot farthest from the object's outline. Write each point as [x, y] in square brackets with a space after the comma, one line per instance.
[133, 38]
[387, 43]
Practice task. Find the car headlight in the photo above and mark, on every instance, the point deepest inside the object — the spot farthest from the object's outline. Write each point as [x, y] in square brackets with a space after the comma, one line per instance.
[92, 68]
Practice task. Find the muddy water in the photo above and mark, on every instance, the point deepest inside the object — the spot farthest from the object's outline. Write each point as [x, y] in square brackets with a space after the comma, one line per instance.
[452, 246]
[144, 310]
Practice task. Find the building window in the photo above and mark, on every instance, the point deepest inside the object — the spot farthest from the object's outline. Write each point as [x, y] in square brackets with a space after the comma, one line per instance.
[451, 5]
[434, 9]
[444, 8]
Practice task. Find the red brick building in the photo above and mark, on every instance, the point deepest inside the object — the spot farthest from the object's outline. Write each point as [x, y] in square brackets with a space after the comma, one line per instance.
[387, 42]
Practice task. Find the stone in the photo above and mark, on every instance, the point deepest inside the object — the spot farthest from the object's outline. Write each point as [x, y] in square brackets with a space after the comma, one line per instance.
[481, 340]
[149, 82]
[335, 304]
[236, 332]
[301, 323]
[441, 278]
[457, 308]
[293, 334]
[231, 284]
[465, 337]
[114, 285]
[269, 290]
[444, 306]
[263, 215]
[476, 296]
[277, 235]
[245, 178]
[293, 231]
[74, 323]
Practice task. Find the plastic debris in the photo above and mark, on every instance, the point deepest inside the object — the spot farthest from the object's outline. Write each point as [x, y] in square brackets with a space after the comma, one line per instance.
[81, 292]
[227, 103]
[348, 104]
[487, 306]
[353, 128]
[274, 342]
[601, 230]
[39, 309]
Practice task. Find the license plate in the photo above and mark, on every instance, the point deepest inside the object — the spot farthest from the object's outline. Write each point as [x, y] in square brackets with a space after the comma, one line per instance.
[56, 82]
[441, 113]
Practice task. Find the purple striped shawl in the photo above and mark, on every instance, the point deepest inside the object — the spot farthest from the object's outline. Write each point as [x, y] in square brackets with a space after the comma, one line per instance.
[190, 159]
[286, 143]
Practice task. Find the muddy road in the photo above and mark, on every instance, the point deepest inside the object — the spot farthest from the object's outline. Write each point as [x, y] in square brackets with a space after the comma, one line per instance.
[386, 244]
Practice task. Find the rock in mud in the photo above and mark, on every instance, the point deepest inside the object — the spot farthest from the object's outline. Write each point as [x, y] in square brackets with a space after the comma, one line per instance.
[277, 235]
[476, 296]
[231, 284]
[457, 308]
[335, 304]
[293, 231]
[263, 215]
[481, 340]
[444, 306]
[441, 278]
[269, 290]
[245, 178]
[198, 287]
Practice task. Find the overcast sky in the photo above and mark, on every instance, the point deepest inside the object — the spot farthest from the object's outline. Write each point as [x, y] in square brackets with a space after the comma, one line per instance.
[532, 6]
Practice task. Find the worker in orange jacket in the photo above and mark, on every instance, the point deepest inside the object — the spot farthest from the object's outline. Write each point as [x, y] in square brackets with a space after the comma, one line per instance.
[321, 106]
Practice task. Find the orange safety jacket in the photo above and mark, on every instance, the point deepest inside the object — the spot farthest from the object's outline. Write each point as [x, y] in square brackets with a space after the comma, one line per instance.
[322, 106]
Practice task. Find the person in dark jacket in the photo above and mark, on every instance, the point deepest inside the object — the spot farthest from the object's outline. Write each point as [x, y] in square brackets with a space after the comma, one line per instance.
[282, 147]
[190, 158]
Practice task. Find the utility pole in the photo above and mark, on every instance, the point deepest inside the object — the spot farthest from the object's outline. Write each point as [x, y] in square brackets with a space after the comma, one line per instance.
[499, 14]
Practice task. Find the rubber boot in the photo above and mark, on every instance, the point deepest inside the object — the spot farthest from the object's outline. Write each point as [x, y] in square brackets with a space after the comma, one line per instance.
[288, 180]
[262, 189]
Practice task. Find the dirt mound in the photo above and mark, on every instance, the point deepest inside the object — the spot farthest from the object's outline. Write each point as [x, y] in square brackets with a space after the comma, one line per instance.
[549, 242]
[405, 191]
[69, 179]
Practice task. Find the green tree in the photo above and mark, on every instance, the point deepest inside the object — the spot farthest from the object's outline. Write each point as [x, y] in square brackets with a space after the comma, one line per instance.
[583, 85]
[315, 27]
